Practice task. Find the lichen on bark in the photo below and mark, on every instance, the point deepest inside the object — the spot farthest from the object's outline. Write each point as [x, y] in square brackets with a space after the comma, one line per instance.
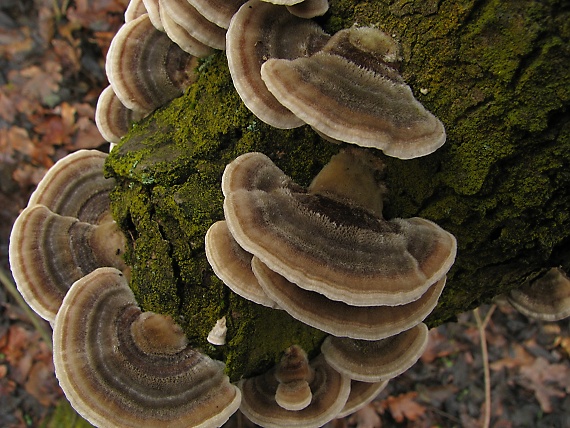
[495, 72]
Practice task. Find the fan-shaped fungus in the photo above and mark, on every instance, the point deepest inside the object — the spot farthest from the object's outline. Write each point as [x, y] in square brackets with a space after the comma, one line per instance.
[121, 367]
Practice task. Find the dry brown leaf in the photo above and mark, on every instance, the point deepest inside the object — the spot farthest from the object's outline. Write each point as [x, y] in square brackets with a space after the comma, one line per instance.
[69, 55]
[404, 407]
[521, 358]
[42, 383]
[367, 417]
[439, 346]
[27, 175]
[17, 42]
[7, 108]
[88, 135]
[42, 83]
[15, 139]
[546, 380]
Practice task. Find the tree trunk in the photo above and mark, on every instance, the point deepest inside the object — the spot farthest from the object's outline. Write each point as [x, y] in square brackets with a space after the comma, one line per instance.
[496, 72]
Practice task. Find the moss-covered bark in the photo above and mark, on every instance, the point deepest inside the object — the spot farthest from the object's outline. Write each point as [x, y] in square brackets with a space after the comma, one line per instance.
[496, 72]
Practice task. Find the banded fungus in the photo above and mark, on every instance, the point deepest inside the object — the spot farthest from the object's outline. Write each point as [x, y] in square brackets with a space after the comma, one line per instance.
[145, 68]
[375, 361]
[351, 91]
[120, 366]
[113, 119]
[329, 390]
[257, 32]
[309, 8]
[329, 241]
[232, 264]
[361, 393]
[546, 298]
[65, 232]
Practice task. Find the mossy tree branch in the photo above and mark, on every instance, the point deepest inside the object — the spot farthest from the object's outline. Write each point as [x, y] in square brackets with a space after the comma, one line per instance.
[496, 72]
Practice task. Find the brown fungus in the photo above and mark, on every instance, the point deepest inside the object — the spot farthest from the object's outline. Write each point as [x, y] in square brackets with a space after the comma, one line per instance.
[182, 37]
[361, 393]
[546, 298]
[309, 8]
[219, 12]
[257, 32]
[145, 68]
[154, 13]
[135, 9]
[197, 26]
[375, 361]
[121, 367]
[340, 319]
[351, 91]
[232, 264]
[324, 242]
[65, 232]
[329, 390]
[113, 119]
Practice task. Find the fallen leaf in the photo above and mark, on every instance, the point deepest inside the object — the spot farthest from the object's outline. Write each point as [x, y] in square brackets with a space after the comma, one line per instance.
[546, 380]
[404, 407]
[367, 417]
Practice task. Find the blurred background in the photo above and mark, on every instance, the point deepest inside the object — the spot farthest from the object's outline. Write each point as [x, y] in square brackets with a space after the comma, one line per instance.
[51, 73]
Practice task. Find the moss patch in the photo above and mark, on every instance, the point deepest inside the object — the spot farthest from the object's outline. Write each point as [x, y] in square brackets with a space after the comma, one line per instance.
[495, 72]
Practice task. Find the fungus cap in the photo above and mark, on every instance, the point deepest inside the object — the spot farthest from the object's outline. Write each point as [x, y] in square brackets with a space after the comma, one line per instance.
[353, 102]
[134, 9]
[180, 35]
[152, 8]
[113, 119]
[329, 388]
[113, 378]
[197, 26]
[49, 252]
[232, 264]
[340, 319]
[309, 8]
[375, 361]
[327, 246]
[257, 32]
[219, 12]
[546, 298]
[217, 336]
[361, 393]
[145, 68]
[294, 375]
[76, 187]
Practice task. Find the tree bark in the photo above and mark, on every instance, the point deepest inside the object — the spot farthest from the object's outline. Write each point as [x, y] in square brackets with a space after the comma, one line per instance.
[496, 73]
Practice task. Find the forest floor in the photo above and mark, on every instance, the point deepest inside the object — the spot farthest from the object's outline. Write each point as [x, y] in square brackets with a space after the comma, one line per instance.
[51, 73]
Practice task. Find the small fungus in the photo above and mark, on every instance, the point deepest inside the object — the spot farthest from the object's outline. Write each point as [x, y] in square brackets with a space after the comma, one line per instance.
[329, 389]
[121, 367]
[375, 361]
[546, 298]
[326, 245]
[257, 32]
[217, 336]
[145, 68]
[294, 375]
[351, 91]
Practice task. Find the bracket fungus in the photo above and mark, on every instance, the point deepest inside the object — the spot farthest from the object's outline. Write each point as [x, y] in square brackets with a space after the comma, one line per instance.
[351, 91]
[219, 12]
[309, 8]
[361, 393]
[328, 245]
[375, 361]
[257, 32]
[65, 232]
[120, 366]
[546, 298]
[113, 119]
[232, 264]
[329, 390]
[145, 68]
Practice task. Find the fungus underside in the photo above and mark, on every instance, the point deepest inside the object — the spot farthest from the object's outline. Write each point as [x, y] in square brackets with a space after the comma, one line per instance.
[495, 72]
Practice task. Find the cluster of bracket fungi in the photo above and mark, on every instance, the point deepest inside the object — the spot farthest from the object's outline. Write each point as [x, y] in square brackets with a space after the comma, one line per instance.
[324, 254]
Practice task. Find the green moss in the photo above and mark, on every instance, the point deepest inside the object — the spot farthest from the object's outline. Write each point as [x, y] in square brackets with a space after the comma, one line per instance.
[495, 72]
